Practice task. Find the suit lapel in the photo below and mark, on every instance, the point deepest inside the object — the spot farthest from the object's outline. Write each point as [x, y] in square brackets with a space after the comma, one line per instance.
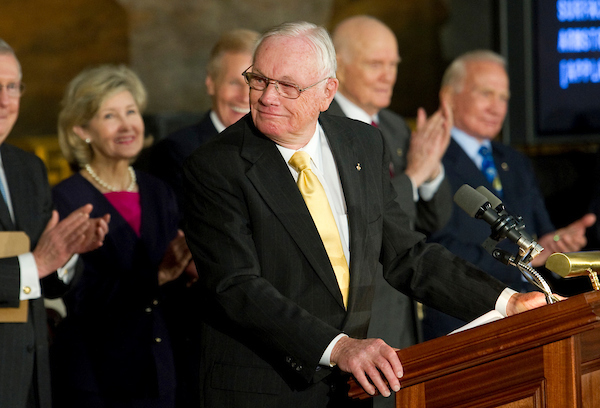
[462, 164]
[13, 173]
[273, 181]
[6, 223]
[348, 162]
[126, 239]
[205, 130]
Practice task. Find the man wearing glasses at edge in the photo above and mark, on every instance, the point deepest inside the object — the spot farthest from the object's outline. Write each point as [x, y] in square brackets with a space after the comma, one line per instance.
[26, 205]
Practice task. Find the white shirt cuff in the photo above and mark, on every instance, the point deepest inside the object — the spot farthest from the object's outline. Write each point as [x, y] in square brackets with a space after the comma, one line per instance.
[428, 189]
[326, 357]
[30, 281]
[67, 272]
[414, 189]
[502, 301]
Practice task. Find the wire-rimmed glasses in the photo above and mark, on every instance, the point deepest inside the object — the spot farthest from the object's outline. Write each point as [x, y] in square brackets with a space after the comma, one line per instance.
[13, 89]
[285, 89]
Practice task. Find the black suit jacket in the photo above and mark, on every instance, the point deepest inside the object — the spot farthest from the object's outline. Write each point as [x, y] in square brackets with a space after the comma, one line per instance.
[24, 346]
[108, 343]
[168, 155]
[272, 301]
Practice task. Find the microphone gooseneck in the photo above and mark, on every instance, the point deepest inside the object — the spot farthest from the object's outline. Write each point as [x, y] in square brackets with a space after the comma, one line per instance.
[480, 203]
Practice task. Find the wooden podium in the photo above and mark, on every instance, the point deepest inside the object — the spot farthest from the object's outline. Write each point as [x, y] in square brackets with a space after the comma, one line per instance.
[547, 357]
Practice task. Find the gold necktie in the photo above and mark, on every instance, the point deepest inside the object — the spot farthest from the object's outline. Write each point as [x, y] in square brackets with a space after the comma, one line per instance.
[318, 205]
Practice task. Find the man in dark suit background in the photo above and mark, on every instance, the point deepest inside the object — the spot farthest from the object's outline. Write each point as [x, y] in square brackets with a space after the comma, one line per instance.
[229, 57]
[26, 206]
[281, 322]
[476, 86]
[367, 59]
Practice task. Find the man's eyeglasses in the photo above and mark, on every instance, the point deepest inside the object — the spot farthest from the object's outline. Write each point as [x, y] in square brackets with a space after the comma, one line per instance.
[13, 89]
[285, 89]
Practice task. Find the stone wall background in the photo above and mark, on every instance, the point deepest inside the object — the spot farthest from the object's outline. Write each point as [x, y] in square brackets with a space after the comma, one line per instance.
[54, 40]
[171, 40]
[167, 43]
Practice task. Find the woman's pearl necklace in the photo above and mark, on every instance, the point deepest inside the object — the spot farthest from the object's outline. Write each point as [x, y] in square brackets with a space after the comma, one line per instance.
[129, 188]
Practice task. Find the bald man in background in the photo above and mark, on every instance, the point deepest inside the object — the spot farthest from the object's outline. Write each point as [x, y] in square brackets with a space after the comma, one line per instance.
[368, 58]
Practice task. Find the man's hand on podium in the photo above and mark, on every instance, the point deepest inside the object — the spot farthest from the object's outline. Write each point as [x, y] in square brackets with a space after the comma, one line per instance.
[368, 359]
[521, 302]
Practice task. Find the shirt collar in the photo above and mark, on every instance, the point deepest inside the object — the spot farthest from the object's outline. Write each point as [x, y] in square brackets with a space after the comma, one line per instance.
[216, 121]
[352, 111]
[313, 148]
[470, 145]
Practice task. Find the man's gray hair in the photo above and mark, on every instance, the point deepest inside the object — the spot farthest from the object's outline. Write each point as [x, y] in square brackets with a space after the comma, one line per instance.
[455, 73]
[6, 49]
[317, 36]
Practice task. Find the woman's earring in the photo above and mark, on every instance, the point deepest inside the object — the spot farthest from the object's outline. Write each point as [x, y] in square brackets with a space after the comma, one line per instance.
[88, 140]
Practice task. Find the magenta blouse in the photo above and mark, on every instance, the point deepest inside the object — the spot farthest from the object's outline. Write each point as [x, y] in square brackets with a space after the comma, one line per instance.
[128, 205]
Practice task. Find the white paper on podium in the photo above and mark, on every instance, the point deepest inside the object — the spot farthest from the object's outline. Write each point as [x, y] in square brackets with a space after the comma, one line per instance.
[489, 317]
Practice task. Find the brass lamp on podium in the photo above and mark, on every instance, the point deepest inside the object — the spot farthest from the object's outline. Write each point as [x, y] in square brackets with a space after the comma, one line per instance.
[571, 264]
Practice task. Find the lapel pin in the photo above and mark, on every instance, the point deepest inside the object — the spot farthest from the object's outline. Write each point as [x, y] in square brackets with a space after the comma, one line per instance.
[358, 166]
[504, 166]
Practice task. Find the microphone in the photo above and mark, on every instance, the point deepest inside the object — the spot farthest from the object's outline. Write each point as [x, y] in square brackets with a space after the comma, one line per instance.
[475, 204]
[482, 204]
[493, 200]
[498, 205]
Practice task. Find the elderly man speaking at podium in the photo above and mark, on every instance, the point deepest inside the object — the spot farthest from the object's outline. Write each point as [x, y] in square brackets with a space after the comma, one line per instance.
[288, 213]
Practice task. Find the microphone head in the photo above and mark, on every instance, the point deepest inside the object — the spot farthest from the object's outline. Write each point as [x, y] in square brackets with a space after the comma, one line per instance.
[470, 200]
[491, 197]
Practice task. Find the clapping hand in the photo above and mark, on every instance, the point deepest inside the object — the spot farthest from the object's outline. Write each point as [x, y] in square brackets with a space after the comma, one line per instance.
[428, 144]
[76, 234]
[176, 259]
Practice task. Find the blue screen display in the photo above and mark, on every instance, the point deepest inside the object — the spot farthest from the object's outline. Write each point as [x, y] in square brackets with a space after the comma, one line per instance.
[566, 73]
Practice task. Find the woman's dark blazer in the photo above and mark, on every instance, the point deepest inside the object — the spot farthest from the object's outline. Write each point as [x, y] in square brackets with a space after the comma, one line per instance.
[114, 340]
